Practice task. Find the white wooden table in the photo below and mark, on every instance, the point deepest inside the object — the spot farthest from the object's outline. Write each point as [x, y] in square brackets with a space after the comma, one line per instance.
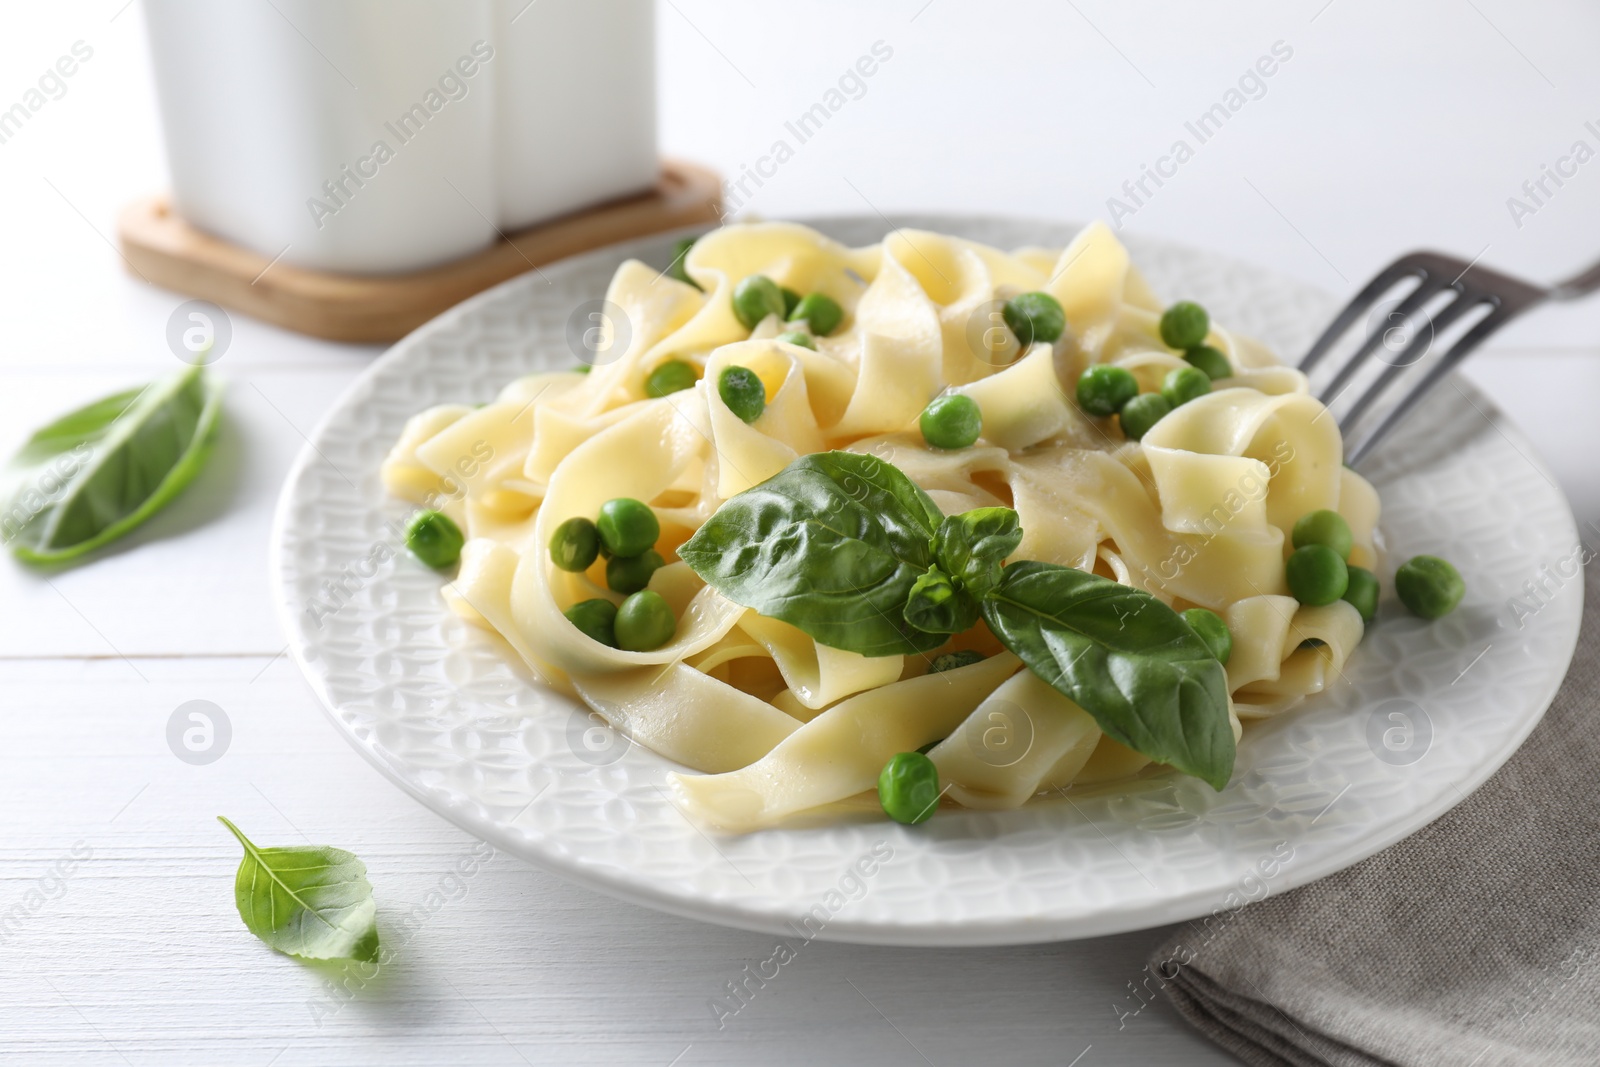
[119, 943]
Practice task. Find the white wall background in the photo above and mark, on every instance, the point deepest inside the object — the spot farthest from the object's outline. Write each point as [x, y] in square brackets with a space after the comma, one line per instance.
[1393, 126]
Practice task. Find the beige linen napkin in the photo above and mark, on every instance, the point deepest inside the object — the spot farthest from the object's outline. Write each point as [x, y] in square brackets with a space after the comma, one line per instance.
[1473, 943]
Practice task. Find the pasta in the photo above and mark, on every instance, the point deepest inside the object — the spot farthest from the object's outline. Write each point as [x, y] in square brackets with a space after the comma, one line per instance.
[768, 721]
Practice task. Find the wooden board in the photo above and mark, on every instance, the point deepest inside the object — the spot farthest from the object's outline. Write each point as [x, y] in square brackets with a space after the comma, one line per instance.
[164, 249]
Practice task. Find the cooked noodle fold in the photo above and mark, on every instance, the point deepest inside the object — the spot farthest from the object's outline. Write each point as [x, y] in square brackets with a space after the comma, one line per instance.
[1198, 513]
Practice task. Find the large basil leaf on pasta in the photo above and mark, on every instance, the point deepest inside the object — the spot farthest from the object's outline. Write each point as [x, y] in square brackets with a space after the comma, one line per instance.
[95, 473]
[1124, 657]
[312, 901]
[832, 544]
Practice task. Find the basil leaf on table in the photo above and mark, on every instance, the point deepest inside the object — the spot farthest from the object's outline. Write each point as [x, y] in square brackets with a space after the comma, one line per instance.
[313, 902]
[832, 544]
[971, 546]
[1124, 657]
[97, 472]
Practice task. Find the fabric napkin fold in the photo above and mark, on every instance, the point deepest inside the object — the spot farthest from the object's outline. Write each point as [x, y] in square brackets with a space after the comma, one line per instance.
[1475, 942]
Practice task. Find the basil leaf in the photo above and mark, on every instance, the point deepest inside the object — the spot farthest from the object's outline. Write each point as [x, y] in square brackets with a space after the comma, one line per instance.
[97, 472]
[971, 546]
[831, 544]
[311, 902]
[1124, 657]
[937, 605]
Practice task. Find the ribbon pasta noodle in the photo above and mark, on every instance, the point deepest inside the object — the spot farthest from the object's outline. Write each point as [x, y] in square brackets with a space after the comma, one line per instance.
[767, 721]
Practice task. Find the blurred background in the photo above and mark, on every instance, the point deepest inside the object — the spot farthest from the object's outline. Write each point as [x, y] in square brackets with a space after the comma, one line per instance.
[1392, 126]
[1387, 127]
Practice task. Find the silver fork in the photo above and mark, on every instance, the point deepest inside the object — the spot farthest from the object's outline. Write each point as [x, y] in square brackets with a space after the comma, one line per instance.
[1460, 288]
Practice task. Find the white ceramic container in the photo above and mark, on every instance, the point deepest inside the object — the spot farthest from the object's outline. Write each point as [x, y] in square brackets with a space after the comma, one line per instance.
[576, 119]
[381, 136]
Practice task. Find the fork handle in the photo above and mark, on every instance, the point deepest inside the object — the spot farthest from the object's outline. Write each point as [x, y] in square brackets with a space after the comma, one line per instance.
[1577, 285]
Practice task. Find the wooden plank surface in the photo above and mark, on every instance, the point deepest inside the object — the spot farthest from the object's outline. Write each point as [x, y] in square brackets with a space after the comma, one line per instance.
[137, 955]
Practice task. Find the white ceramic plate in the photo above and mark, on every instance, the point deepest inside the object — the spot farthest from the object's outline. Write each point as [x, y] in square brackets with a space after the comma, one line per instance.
[1426, 714]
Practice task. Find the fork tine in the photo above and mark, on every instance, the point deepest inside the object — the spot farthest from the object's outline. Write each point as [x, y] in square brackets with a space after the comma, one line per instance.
[1386, 279]
[1425, 291]
[1446, 363]
[1441, 322]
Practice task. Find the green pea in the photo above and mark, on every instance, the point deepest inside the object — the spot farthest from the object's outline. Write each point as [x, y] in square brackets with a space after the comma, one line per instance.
[679, 268]
[1323, 528]
[627, 526]
[798, 337]
[1210, 360]
[1185, 384]
[1317, 575]
[629, 574]
[644, 622]
[1141, 413]
[1428, 586]
[755, 298]
[1212, 630]
[740, 388]
[1103, 389]
[790, 299]
[434, 539]
[575, 545]
[953, 420]
[819, 311]
[1185, 325]
[1035, 317]
[908, 788]
[582, 368]
[1362, 592]
[952, 660]
[671, 376]
[596, 619]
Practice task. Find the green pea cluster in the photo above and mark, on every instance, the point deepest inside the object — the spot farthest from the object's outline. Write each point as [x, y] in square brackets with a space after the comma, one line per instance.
[625, 534]
[1185, 326]
[1318, 572]
[813, 315]
[1105, 390]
